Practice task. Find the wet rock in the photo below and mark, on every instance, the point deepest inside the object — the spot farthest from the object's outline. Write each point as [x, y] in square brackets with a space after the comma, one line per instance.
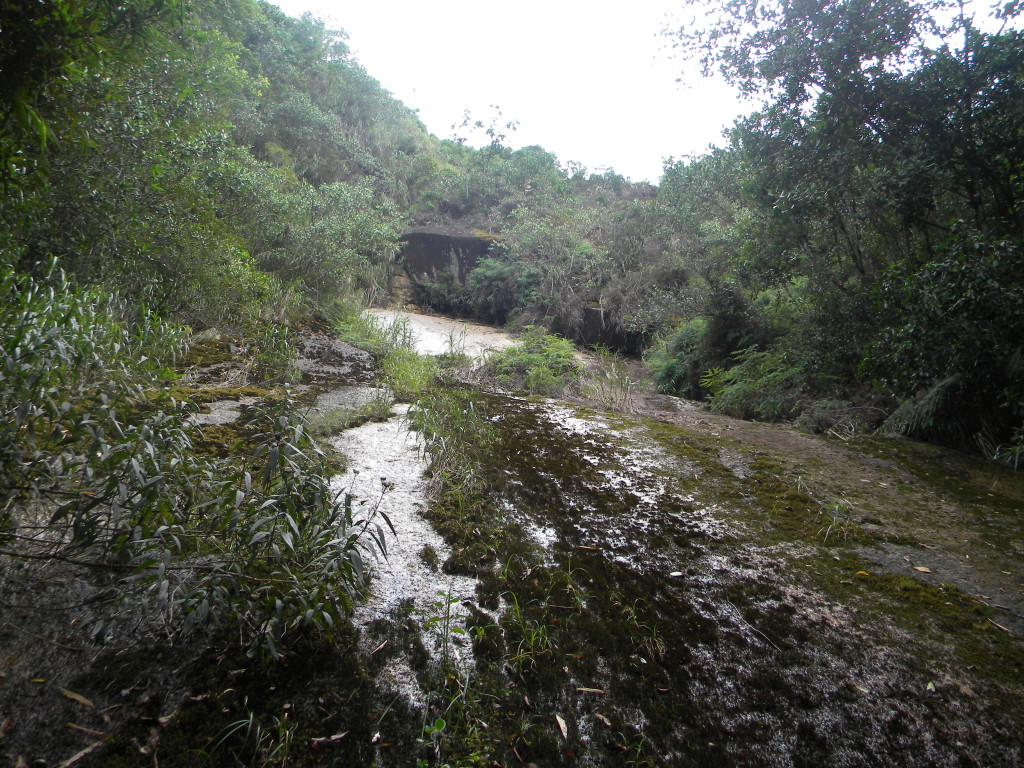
[322, 359]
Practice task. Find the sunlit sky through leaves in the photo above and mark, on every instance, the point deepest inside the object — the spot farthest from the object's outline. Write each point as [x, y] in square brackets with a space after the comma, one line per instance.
[592, 82]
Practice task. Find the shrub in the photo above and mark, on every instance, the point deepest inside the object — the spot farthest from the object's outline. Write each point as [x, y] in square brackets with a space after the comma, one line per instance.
[102, 466]
[541, 363]
[727, 325]
[498, 288]
[679, 362]
[761, 385]
[274, 356]
[445, 295]
[953, 350]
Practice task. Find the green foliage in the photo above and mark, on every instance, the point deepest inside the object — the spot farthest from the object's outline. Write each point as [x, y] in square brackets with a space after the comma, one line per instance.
[456, 432]
[376, 335]
[876, 198]
[611, 382]
[783, 46]
[109, 471]
[954, 346]
[407, 374]
[63, 350]
[679, 362]
[499, 288]
[50, 43]
[273, 356]
[760, 385]
[201, 170]
[541, 363]
[1012, 455]
[727, 325]
[445, 294]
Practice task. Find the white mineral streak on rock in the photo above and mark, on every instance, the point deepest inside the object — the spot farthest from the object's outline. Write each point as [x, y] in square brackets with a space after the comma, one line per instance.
[385, 475]
[386, 463]
[439, 335]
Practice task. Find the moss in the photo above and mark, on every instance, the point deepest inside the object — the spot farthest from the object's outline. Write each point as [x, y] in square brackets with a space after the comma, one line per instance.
[979, 485]
[236, 711]
[952, 617]
[207, 353]
[428, 556]
[204, 395]
[713, 664]
[220, 441]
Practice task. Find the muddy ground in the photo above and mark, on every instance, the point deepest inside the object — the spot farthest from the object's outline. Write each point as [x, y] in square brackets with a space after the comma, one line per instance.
[655, 585]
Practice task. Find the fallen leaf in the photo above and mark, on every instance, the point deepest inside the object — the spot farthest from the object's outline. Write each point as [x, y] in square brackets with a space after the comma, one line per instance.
[329, 739]
[5, 727]
[562, 727]
[863, 573]
[376, 738]
[603, 719]
[1000, 627]
[676, 574]
[90, 731]
[79, 755]
[77, 697]
[922, 569]
[930, 686]
[862, 689]
[168, 718]
[590, 690]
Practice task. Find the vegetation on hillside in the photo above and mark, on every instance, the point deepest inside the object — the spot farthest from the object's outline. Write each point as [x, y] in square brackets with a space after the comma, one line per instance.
[173, 170]
[859, 239]
[854, 252]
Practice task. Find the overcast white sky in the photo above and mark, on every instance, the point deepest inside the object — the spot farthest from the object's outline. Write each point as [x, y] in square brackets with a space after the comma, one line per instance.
[590, 81]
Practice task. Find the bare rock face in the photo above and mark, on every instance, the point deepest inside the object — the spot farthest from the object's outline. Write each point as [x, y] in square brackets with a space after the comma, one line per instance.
[325, 359]
[437, 254]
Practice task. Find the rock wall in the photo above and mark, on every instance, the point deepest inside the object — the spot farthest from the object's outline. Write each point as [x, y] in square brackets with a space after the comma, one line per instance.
[443, 254]
[429, 252]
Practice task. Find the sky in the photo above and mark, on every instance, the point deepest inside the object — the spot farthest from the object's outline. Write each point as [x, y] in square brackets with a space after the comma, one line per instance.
[595, 83]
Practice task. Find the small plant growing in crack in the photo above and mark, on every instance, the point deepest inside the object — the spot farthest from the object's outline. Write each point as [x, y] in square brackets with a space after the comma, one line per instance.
[439, 617]
[837, 520]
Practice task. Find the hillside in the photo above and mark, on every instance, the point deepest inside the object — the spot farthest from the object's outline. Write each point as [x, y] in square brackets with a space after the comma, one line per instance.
[811, 559]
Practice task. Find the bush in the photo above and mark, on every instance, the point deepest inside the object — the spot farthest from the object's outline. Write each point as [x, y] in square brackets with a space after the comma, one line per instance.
[541, 364]
[954, 350]
[679, 363]
[101, 465]
[729, 324]
[761, 385]
[445, 295]
[498, 288]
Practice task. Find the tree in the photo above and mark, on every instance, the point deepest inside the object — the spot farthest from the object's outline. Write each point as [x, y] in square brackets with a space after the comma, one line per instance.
[47, 44]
